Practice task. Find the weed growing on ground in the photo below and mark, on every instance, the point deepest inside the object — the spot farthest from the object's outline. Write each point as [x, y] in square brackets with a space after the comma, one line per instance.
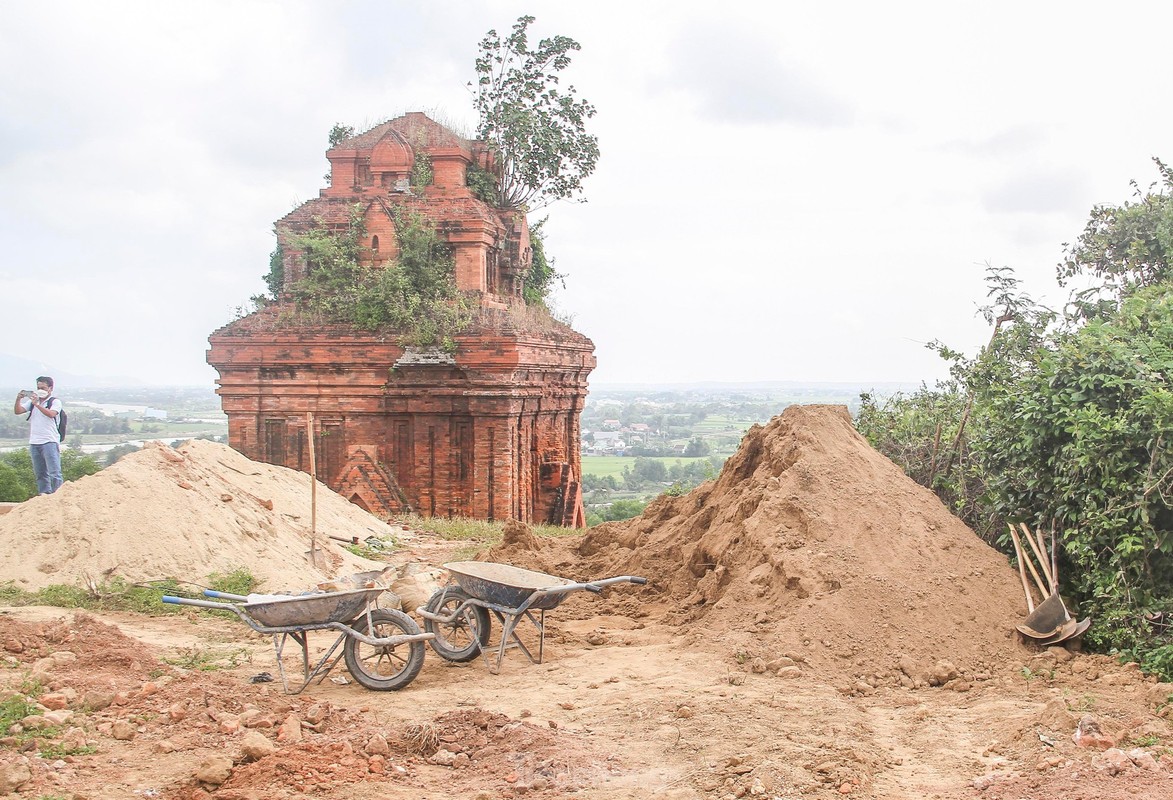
[475, 530]
[207, 660]
[239, 581]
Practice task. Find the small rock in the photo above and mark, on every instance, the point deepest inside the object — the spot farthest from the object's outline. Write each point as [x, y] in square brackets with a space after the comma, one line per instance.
[255, 746]
[53, 701]
[226, 498]
[317, 713]
[1113, 761]
[177, 712]
[377, 764]
[1143, 759]
[14, 775]
[290, 730]
[684, 712]
[377, 745]
[59, 717]
[214, 770]
[96, 700]
[942, 673]
[983, 782]
[122, 730]
[442, 758]
[789, 672]
[13, 645]
[462, 760]
[757, 666]
[1160, 694]
[165, 746]
[74, 739]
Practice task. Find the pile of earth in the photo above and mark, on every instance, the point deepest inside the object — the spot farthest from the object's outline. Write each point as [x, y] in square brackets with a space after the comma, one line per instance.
[184, 513]
[811, 550]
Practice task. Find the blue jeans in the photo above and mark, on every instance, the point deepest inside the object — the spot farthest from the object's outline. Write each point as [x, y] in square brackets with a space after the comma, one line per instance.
[47, 466]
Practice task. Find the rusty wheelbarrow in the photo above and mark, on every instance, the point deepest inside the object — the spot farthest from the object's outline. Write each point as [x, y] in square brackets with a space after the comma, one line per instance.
[383, 649]
[458, 614]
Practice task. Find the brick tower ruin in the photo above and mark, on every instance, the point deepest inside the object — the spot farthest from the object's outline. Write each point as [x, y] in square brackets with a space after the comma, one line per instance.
[490, 431]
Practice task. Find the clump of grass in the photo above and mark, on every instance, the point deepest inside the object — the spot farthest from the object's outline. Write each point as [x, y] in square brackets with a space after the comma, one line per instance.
[115, 594]
[368, 552]
[15, 708]
[455, 528]
[422, 739]
[55, 750]
[208, 660]
[239, 581]
[64, 597]
[475, 530]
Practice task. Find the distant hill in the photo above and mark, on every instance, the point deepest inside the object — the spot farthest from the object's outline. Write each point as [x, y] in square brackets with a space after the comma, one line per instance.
[22, 373]
[849, 387]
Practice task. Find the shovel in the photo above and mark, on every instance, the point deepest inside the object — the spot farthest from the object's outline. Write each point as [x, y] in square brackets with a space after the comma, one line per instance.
[1046, 620]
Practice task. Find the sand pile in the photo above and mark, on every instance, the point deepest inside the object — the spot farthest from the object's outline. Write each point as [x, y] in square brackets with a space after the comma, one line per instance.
[811, 543]
[187, 513]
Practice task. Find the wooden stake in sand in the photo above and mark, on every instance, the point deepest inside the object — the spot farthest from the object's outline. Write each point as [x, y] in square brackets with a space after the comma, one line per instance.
[313, 553]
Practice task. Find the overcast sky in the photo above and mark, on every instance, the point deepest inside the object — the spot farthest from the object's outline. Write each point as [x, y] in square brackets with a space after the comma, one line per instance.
[787, 191]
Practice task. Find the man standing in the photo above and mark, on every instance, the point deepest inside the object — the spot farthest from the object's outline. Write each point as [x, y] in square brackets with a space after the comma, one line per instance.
[44, 438]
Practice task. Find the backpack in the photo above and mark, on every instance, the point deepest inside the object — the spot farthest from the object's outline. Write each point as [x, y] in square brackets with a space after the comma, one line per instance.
[62, 418]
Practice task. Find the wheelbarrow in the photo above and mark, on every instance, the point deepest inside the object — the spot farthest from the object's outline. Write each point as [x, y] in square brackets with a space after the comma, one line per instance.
[383, 649]
[458, 613]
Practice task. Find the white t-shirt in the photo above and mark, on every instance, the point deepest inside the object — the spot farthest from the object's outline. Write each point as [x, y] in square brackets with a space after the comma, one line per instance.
[42, 428]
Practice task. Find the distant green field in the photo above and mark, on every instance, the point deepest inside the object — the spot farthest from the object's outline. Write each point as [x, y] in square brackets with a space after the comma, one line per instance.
[602, 466]
[716, 423]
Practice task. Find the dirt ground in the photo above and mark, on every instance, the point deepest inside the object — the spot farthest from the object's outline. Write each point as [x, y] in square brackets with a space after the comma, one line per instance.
[814, 626]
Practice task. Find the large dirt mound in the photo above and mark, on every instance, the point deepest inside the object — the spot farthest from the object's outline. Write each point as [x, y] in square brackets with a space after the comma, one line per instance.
[812, 544]
[184, 514]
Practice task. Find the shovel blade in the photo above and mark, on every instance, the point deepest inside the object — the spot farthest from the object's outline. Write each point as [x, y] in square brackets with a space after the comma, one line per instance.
[1046, 620]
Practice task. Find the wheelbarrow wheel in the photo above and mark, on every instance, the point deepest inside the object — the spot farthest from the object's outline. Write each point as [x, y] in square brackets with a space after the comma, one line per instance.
[462, 639]
[387, 667]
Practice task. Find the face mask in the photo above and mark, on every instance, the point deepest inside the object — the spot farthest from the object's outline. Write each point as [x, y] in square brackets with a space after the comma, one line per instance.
[41, 393]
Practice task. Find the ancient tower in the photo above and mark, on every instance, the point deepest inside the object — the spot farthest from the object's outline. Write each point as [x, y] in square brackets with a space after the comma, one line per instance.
[489, 431]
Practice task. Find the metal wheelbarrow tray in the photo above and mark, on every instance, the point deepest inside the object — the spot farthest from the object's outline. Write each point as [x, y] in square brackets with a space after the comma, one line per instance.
[383, 649]
[458, 614]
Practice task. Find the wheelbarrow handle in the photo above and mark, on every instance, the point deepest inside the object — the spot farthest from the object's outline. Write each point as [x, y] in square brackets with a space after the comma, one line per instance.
[223, 595]
[187, 601]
